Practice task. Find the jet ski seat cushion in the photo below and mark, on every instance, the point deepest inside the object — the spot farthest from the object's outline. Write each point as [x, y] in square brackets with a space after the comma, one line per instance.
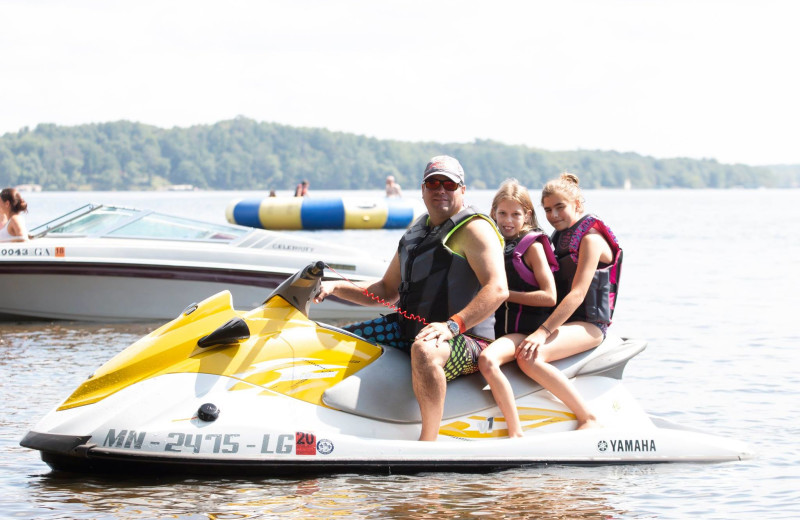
[383, 391]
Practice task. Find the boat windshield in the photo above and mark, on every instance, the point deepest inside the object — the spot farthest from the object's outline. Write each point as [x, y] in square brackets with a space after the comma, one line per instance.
[131, 223]
[157, 225]
[96, 222]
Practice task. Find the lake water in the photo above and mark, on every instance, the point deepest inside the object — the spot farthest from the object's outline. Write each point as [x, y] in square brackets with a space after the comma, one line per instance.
[710, 279]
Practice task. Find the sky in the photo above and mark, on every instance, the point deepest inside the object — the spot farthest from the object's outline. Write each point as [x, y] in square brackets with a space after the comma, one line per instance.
[675, 78]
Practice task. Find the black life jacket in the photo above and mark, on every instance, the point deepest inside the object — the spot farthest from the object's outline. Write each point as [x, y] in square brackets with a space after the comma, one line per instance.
[598, 306]
[515, 317]
[436, 282]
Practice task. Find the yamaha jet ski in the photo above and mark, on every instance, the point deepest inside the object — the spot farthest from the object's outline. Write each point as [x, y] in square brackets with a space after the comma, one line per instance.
[269, 391]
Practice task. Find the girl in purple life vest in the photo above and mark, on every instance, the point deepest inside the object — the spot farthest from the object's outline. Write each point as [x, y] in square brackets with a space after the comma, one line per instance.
[590, 260]
[529, 262]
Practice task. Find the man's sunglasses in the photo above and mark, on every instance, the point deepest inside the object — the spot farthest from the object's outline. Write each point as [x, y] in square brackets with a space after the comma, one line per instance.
[433, 184]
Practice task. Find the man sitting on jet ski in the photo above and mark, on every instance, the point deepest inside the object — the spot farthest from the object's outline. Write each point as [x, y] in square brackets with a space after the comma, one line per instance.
[447, 277]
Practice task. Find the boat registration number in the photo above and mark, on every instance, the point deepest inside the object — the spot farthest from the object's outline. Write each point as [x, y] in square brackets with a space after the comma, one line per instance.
[32, 251]
[298, 443]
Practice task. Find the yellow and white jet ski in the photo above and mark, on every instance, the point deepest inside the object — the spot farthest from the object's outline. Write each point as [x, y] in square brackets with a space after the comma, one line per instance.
[269, 391]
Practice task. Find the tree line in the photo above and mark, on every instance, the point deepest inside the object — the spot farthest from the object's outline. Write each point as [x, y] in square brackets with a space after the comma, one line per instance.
[243, 154]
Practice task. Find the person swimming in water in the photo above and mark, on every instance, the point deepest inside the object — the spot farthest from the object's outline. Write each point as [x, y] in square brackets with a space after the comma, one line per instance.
[302, 189]
[393, 189]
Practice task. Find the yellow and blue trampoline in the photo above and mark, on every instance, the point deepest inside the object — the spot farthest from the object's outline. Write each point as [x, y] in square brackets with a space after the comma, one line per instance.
[323, 213]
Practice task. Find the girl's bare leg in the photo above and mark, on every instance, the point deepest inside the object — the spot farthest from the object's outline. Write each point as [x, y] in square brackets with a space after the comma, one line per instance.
[566, 341]
[500, 352]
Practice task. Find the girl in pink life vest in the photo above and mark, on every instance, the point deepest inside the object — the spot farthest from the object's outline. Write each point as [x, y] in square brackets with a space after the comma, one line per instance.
[529, 262]
[589, 259]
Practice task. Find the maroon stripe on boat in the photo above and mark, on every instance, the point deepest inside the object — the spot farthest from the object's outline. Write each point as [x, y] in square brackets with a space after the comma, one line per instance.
[197, 274]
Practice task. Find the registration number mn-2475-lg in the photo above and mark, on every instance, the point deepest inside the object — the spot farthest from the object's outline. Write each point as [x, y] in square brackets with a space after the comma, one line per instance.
[299, 443]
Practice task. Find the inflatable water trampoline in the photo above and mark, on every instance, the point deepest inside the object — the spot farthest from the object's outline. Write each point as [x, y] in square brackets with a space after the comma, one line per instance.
[323, 213]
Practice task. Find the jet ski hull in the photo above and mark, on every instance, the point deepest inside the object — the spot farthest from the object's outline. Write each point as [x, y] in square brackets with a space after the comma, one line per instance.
[274, 434]
[219, 391]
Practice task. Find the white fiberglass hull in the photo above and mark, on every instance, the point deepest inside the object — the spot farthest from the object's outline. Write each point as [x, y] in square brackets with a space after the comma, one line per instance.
[262, 432]
[269, 391]
[126, 298]
[139, 280]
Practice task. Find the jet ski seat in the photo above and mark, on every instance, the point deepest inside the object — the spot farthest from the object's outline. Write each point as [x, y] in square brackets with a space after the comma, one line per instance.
[383, 391]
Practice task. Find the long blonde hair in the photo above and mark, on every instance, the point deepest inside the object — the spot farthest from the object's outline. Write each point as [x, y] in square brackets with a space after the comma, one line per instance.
[511, 189]
[567, 185]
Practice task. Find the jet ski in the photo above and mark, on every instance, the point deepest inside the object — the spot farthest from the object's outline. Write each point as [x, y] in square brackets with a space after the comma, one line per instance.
[269, 391]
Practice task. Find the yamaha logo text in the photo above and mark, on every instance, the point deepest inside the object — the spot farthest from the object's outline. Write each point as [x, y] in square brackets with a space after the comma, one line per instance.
[627, 445]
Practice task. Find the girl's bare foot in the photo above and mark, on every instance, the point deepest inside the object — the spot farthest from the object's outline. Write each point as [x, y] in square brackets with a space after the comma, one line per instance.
[588, 423]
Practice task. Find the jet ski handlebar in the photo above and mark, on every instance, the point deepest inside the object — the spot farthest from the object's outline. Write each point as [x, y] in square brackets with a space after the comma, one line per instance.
[316, 269]
[300, 288]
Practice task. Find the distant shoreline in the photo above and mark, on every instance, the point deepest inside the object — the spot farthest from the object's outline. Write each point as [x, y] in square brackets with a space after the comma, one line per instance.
[243, 154]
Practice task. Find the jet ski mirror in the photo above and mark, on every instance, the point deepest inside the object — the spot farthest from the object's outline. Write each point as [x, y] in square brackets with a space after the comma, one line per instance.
[300, 288]
[233, 331]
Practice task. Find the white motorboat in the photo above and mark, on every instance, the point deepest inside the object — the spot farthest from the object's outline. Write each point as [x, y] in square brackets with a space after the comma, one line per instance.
[106, 263]
[269, 391]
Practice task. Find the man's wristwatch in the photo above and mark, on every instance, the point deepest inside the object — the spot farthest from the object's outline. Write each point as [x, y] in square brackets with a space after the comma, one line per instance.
[453, 326]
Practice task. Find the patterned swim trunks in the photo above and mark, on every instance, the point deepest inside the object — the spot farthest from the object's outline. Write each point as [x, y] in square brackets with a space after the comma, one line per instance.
[380, 331]
[464, 352]
[464, 349]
